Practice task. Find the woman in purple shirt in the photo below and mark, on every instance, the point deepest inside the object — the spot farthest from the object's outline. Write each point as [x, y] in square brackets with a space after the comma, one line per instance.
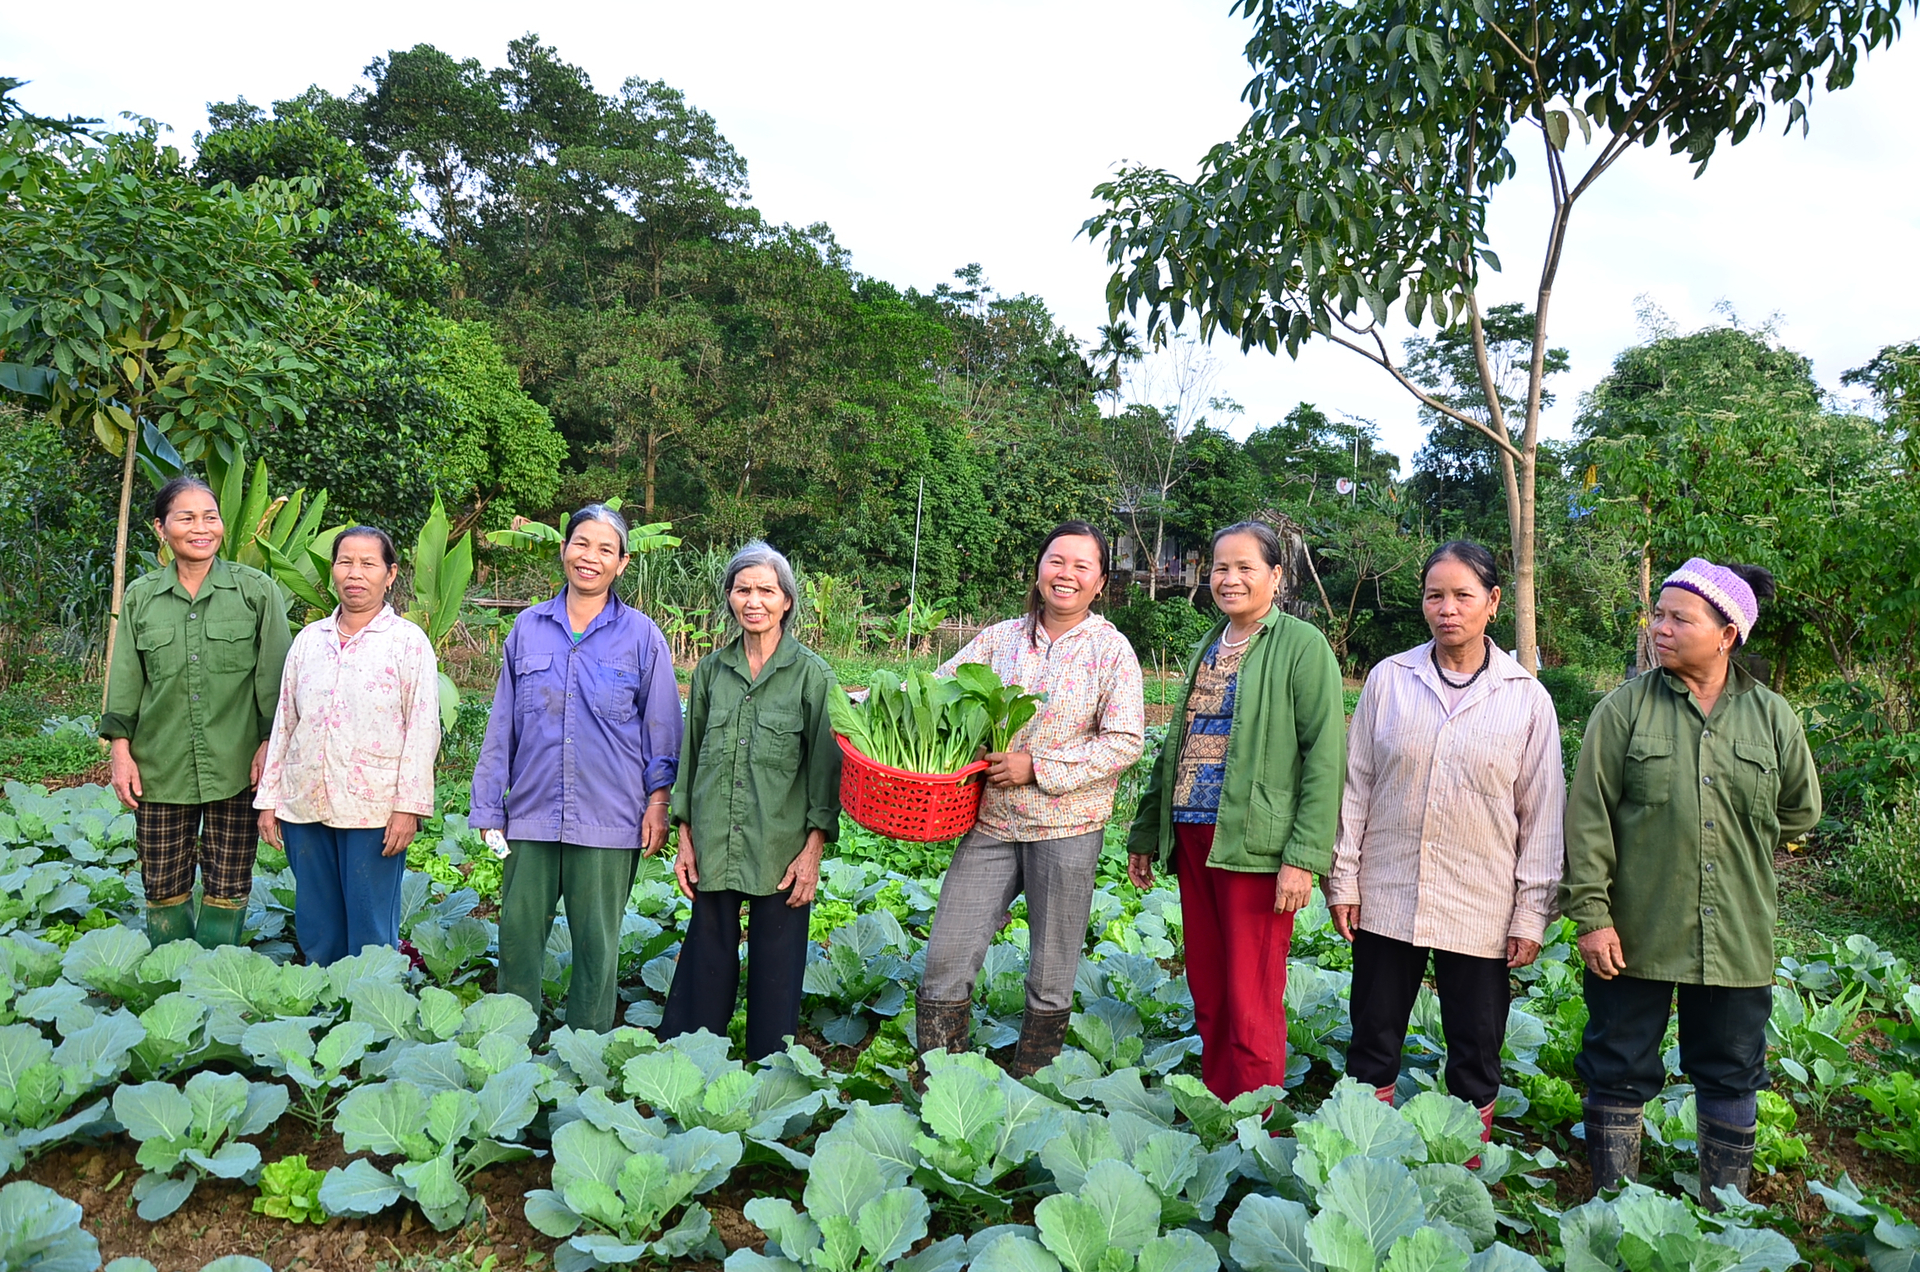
[580, 754]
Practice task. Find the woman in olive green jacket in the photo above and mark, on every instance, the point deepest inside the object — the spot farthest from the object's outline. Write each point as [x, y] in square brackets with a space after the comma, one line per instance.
[757, 800]
[1244, 802]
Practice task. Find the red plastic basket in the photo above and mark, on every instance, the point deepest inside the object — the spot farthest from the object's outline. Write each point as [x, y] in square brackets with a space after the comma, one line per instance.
[918, 807]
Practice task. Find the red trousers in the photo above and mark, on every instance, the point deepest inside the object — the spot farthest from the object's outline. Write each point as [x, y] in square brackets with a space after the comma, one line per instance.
[1236, 967]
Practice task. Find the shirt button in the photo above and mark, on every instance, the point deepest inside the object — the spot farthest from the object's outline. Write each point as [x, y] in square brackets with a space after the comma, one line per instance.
[748, 698]
[1707, 780]
[196, 697]
[1709, 823]
[1708, 910]
[743, 741]
[736, 830]
[191, 614]
[1709, 867]
[738, 785]
[193, 658]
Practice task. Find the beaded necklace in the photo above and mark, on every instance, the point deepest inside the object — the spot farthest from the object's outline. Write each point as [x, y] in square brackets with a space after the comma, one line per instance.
[1434, 654]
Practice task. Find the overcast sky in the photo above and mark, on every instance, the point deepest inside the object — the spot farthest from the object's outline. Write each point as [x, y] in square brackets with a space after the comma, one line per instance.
[932, 136]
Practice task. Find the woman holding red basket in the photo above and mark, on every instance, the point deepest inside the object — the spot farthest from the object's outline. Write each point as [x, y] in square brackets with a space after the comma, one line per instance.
[1048, 798]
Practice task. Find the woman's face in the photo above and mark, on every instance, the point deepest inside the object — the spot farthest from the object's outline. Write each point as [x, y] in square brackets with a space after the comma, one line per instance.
[192, 529]
[593, 558]
[1689, 635]
[1070, 577]
[1243, 584]
[361, 575]
[1457, 605]
[757, 602]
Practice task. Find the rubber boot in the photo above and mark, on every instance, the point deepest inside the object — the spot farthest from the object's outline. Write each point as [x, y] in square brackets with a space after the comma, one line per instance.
[170, 919]
[1042, 1034]
[1384, 1094]
[1486, 1133]
[1613, 1143]
[940, 1025]
[1726, 1160]
[220, 924]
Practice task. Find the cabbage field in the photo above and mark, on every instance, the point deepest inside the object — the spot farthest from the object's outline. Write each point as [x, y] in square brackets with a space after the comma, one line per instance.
[175, 1108]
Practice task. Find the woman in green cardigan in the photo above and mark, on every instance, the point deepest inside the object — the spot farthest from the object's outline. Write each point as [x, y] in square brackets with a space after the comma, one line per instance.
[1244, 801]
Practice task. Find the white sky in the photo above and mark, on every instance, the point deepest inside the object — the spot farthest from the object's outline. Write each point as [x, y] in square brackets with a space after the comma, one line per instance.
[930, 136]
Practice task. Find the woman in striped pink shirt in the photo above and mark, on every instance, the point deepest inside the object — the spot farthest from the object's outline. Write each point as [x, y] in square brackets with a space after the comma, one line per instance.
[1450, 835]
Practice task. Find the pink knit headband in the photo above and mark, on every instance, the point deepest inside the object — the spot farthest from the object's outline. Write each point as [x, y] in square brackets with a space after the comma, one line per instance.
[1720, 588]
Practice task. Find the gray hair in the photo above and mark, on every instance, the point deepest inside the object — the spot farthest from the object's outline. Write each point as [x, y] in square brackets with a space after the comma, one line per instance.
[757, 553]
[601, 513]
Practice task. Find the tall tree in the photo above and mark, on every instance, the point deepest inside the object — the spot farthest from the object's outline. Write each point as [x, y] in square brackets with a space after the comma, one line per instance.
[1380, 129]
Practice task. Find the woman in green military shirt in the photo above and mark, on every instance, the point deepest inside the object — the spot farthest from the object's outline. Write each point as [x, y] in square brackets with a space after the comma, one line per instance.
[191, 692]
[1689, 778]
[757, 800]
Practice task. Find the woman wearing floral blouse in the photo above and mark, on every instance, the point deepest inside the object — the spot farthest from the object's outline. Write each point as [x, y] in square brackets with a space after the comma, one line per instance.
[1450, 844]
[1047, 801]
[349, 771]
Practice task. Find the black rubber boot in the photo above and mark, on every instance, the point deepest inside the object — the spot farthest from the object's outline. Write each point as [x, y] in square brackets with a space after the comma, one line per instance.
[1726, 1160]
[220, 925]
[948, 1025]
[1613, 1144]
[170, 920]
[1042, 1034]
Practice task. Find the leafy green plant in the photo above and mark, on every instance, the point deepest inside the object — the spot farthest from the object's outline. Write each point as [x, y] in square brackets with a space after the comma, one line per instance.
[290, 1190]
[860, 1214]
[1811, 1040]
[1895, 1098]
[187, 1134]
[40, 1229]
[40, 1083]
[616, 1179]
[1645, 1231]
[862, 970]
[287, 1048]
[929, 724]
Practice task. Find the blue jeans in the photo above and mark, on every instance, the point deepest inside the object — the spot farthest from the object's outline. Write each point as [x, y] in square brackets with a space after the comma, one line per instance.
[347, 895]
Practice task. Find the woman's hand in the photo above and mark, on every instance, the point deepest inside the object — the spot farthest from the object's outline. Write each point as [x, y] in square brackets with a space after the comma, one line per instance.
[401, 828]
[1346, 920]
[653, 828]
[1602, 954]
[1010, 768]
[126, 774]
[270, 828]
[803, 876]
[684, 871]
[1140, 869]
[1521, 951]
[1293, 889]
[259, 764]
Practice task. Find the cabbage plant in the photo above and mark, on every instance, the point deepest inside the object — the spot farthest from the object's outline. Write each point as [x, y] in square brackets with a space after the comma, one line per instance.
[188, 1134]
[40, 1229]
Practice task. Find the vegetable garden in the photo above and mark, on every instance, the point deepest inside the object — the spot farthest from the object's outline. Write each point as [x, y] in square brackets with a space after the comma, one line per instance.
[196, 1108]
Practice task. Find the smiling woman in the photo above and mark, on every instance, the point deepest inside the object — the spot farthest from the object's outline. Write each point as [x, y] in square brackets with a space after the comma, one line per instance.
[190, 701]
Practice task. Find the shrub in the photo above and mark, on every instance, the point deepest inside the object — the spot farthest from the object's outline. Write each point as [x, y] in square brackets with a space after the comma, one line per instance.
[1881, 868]
[1165, 629]
[1572, 692]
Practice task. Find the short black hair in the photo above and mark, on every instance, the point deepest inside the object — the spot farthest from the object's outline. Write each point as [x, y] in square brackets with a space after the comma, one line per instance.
[176, 487]
[387, 554]
[1467, 553]
[1271, 550]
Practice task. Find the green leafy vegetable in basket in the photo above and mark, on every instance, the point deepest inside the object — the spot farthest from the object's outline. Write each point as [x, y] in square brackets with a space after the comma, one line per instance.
[933, 724]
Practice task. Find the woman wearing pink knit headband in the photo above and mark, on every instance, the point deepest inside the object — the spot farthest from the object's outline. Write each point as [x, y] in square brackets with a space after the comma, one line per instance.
[1690, 777]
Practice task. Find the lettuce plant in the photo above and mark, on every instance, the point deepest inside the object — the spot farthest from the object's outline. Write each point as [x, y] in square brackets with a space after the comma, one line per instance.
[618, 1176]
[188, 1134]
[290, 1190]
[40, 1229]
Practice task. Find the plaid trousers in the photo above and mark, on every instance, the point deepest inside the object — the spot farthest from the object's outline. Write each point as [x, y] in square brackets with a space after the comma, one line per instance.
[171, 842]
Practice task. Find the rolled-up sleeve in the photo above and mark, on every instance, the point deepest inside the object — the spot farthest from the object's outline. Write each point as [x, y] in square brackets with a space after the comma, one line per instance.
[1343, 881]
[660, 708]
[1540, 798]
[420, 743]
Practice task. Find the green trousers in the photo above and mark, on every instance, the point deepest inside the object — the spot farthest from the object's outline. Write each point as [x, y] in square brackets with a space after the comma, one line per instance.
[596, 884]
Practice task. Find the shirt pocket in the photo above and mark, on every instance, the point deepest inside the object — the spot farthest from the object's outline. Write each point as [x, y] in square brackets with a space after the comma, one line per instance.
[534, 683]
[716, 739]
[1757, 775]
[616, 691]
[229, 646]
[1649, 771]
[372, 773]
[160, 653]
[776, 741]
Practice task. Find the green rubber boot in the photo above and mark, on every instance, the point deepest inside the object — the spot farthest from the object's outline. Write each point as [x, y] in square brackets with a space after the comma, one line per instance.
[170, 920]
[219, 924]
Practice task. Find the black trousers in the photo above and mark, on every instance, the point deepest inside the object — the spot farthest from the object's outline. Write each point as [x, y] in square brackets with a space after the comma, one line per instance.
[1474, 993]
[1723, 1039]
[706, 983]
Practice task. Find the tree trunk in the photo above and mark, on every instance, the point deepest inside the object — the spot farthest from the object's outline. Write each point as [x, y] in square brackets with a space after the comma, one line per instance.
[119, 562]
[1525, 606]
[1643, 638]
[653, 450]
[1153, 566]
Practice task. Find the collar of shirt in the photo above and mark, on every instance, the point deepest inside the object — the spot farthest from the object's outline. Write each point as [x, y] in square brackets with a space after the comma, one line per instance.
[733, 655]
[1739, 681]
[555, 610]
[1419, 660]
[381, 622]
[218, 575]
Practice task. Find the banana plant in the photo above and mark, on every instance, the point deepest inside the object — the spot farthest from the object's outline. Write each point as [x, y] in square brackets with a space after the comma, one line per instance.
[526, 535]
[258, 522]
[440, 578]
